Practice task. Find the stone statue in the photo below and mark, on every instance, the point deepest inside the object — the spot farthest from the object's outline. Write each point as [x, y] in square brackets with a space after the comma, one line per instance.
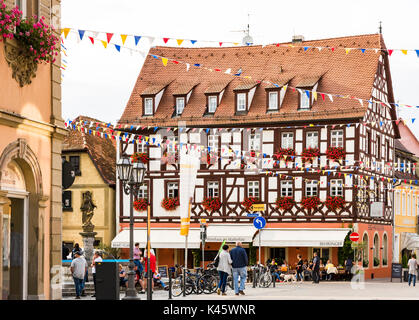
[87, 209]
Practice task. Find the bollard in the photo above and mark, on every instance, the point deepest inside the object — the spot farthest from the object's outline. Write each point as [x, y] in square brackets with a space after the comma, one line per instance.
[170, 285]
[273, 280]
[254, 278]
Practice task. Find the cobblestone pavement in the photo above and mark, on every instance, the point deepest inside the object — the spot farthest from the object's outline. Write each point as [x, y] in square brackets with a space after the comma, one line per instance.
[378, 289]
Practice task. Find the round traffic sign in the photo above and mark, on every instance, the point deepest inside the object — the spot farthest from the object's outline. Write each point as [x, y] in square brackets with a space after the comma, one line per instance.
[354, 236]
[259, 222]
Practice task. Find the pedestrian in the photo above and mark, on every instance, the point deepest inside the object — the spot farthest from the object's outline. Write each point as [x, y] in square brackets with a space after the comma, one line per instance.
[273, 268]
[239, 263]
[78, 269]
[224, 270]
[316, 268]
[139, 269]
[123, 281]
[65, 252]
[413, 265]
[152, 266]
[76, 248]
[348, 267]
[86, 277]
[97, 257]
[300, 268]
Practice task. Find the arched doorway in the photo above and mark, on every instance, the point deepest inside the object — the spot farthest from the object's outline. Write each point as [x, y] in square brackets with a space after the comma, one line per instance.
[22, 223]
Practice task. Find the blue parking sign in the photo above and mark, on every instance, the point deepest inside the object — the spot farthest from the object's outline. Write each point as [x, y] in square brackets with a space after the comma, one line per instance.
[259, 222]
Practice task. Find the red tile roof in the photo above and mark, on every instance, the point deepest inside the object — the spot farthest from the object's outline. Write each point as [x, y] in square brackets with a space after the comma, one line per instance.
[102, 151]
[347, 74]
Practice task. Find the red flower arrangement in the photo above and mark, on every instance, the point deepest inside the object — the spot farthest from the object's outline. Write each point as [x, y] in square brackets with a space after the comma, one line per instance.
[310, 202]
[139, 156]
[334, 203]
[285, 203]
[211, 204]
[9, 20]
[310, 153]
[248, 202]
[282, 152]
[140, 204]
[335, 153]
[170, 204]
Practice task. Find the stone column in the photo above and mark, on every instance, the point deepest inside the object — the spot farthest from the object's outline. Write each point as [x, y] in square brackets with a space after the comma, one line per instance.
[88, 240]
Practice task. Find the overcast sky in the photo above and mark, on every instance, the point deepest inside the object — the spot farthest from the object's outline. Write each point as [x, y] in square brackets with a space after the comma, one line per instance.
[98, 81]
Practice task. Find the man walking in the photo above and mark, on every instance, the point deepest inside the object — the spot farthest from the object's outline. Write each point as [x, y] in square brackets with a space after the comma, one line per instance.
[239, 257]
[316, 268]
[78, 269]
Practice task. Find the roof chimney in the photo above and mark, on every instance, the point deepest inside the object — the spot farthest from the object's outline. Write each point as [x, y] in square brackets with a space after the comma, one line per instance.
[297, 39]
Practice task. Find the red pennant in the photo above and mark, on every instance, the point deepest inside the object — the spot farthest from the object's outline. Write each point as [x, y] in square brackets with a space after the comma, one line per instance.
[176, 62]
[109, 36]
[277, 44]
[93, 40]
[397, 121]
[165, 40]
[333, 49]
[217, 69]
[220, 44]
[322, 94]
[390, 52]
[293, 89]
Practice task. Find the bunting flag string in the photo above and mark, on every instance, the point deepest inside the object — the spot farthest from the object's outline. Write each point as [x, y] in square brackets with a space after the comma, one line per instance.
[331, 96]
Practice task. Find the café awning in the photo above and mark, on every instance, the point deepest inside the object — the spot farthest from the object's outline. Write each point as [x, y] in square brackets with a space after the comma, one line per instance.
[409, 241]
[230, 232]
[159, 238]
[302, 237]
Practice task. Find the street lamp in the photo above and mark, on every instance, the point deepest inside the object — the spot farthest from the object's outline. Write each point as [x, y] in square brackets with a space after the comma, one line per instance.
[131, 175]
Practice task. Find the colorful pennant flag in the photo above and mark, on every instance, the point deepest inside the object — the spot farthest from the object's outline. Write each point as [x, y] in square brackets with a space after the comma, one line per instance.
[109, 36]
[123, 38]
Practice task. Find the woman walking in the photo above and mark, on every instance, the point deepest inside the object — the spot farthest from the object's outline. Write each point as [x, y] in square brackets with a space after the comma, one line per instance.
[413, 265]
[224, 269]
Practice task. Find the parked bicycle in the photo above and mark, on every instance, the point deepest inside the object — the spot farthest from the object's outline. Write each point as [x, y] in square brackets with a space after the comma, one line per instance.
[200, 282]
[263, 275]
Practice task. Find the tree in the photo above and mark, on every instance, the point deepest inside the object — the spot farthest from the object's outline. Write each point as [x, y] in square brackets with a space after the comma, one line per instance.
[346, 251]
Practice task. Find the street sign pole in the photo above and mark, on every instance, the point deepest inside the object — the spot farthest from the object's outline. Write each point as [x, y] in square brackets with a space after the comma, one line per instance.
[260, 231]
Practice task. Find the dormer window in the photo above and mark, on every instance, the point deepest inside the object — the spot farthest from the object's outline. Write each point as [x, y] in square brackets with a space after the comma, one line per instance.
[212, 104]
[241, 101]
[180, 105]
[273, 100]
[305, 100]
[148, 106]
[306, 87]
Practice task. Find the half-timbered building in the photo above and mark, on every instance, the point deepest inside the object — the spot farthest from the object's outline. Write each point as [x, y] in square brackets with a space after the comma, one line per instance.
[311, 121]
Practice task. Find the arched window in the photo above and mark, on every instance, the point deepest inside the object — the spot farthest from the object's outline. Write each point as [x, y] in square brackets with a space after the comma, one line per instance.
[376, 251]
[365, 262]
[385, 250]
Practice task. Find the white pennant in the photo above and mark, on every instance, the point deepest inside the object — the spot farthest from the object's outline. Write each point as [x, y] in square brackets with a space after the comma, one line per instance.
[330, 97]
[187, 66]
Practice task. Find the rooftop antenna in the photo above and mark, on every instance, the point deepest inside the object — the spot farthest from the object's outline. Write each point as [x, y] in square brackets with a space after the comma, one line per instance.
[247, 39]
[380, 28]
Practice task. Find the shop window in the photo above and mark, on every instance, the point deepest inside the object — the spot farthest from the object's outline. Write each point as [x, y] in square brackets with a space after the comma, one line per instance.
[278, 254]
[322, 253]
[385, 250]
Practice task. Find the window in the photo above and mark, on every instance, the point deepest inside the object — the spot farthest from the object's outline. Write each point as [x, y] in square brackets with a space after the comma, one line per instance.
[304, 101]
[75, 162]
[173, 190]
[143, 191]
[67, 200]
[387, 156]
[273, 100]
[254, 141]
[180, 105]
[213, 189]
[253, 189]
[365, 251]
[337, 138]
[336, 188]
[148, 106]
[212, 103]
[378, 148]
[312, 139]
[286, 188]
[368, 143]
[311, 188]
[322, 253]
[29, 8]
[241, 101]
[376, 248]
[141, 147]
[287, 140]
[171, 147]
[213, 143]
[385, 249]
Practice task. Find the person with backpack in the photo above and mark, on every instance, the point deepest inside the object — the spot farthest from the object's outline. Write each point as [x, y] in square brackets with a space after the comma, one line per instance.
[224, 269]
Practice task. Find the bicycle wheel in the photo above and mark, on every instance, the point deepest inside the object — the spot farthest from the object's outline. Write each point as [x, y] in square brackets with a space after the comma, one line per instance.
[265, 280]
[177, 286]
[230, 283]
[208, 284]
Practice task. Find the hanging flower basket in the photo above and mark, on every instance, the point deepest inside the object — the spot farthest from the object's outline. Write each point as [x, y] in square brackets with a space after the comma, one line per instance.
[310, 202]
[334, 203]
[139, 157]
[9, 20]
[310, 153]
[285, 203]
[284, 154]
[170, 204]
[335, 153]
[211, 204]
[140, 204]
[248, 202]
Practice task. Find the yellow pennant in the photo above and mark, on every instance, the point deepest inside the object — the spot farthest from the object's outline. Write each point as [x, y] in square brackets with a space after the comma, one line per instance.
[66, 31]
[404, 51]
[285, 87]
[164, 60]
[311, 125]
[105, 44]
[93, 132]
[236, 43]
[315, 95]
[347, 50]
[179, 41]
[123, 37]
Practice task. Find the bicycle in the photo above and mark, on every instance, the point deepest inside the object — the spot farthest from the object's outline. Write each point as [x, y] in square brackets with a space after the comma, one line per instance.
[199, 282]
[263, 276]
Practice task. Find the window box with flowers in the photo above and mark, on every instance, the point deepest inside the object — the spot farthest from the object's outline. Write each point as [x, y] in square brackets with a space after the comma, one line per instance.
[139, 157]
[284, 154]
[309, 203]
[248, 202]
[28, 42]
[211, 204]
[334, 203]
[309, 154]
[140, 204]
[170, 204]
[285, 203]
[335, 153]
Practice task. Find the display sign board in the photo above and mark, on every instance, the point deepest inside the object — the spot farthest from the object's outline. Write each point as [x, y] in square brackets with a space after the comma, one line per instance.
[257, 207]
[377, 209]
[396, 271]
[163, 271]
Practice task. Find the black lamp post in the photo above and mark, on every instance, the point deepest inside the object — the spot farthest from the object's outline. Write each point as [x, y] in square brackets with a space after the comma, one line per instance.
[131, 175]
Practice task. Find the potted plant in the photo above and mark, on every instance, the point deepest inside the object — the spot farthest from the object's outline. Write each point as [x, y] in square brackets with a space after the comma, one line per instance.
[310, 202]
[285, 203]
[334, 203]
[310, 153]
[211, 204]
[170, 204]
[248, 202]
[140, 204]
[335, 153]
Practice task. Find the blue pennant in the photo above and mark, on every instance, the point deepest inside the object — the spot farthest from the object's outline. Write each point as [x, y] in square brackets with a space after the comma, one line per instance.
[137, 38]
